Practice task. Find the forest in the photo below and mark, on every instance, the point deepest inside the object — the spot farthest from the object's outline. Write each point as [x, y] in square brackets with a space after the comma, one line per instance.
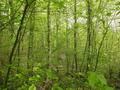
[59, 44]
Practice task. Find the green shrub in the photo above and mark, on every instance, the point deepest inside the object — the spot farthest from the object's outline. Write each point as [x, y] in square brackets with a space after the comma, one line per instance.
[97, 81]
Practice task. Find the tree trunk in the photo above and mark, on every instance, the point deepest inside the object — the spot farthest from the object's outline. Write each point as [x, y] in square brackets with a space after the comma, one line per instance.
[75, 35]
[31, 36]
[15, 45]
[48, 33]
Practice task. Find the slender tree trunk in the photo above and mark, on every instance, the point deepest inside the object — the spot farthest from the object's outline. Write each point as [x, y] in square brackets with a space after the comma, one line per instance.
[11, 23]
[18, 55]
[15, 45]
[48, 32]
[99, 48]
[89, 34]
[1, 41]
[67, 43]
[20, 40]
[31, 37]
[57, 37]
[75, 34]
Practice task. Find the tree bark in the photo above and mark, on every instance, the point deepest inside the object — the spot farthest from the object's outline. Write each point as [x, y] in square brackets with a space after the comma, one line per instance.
[15, 45]
[48, 32]
[75, 35]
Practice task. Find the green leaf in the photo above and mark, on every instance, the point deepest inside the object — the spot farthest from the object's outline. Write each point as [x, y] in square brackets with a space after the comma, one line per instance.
[109, 14]
[102, 79]
[58, 3]
[118, 3]
[56, 87]
[32, 87]
[19, 76]
[35, 69]
[92, 79]
[108, 88]
[34, 78]
[51, 75]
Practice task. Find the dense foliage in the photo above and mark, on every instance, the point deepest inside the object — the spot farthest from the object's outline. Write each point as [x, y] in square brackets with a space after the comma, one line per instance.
[59, 45]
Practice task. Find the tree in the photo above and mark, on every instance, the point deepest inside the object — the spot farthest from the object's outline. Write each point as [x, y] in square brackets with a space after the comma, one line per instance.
[48, 31]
